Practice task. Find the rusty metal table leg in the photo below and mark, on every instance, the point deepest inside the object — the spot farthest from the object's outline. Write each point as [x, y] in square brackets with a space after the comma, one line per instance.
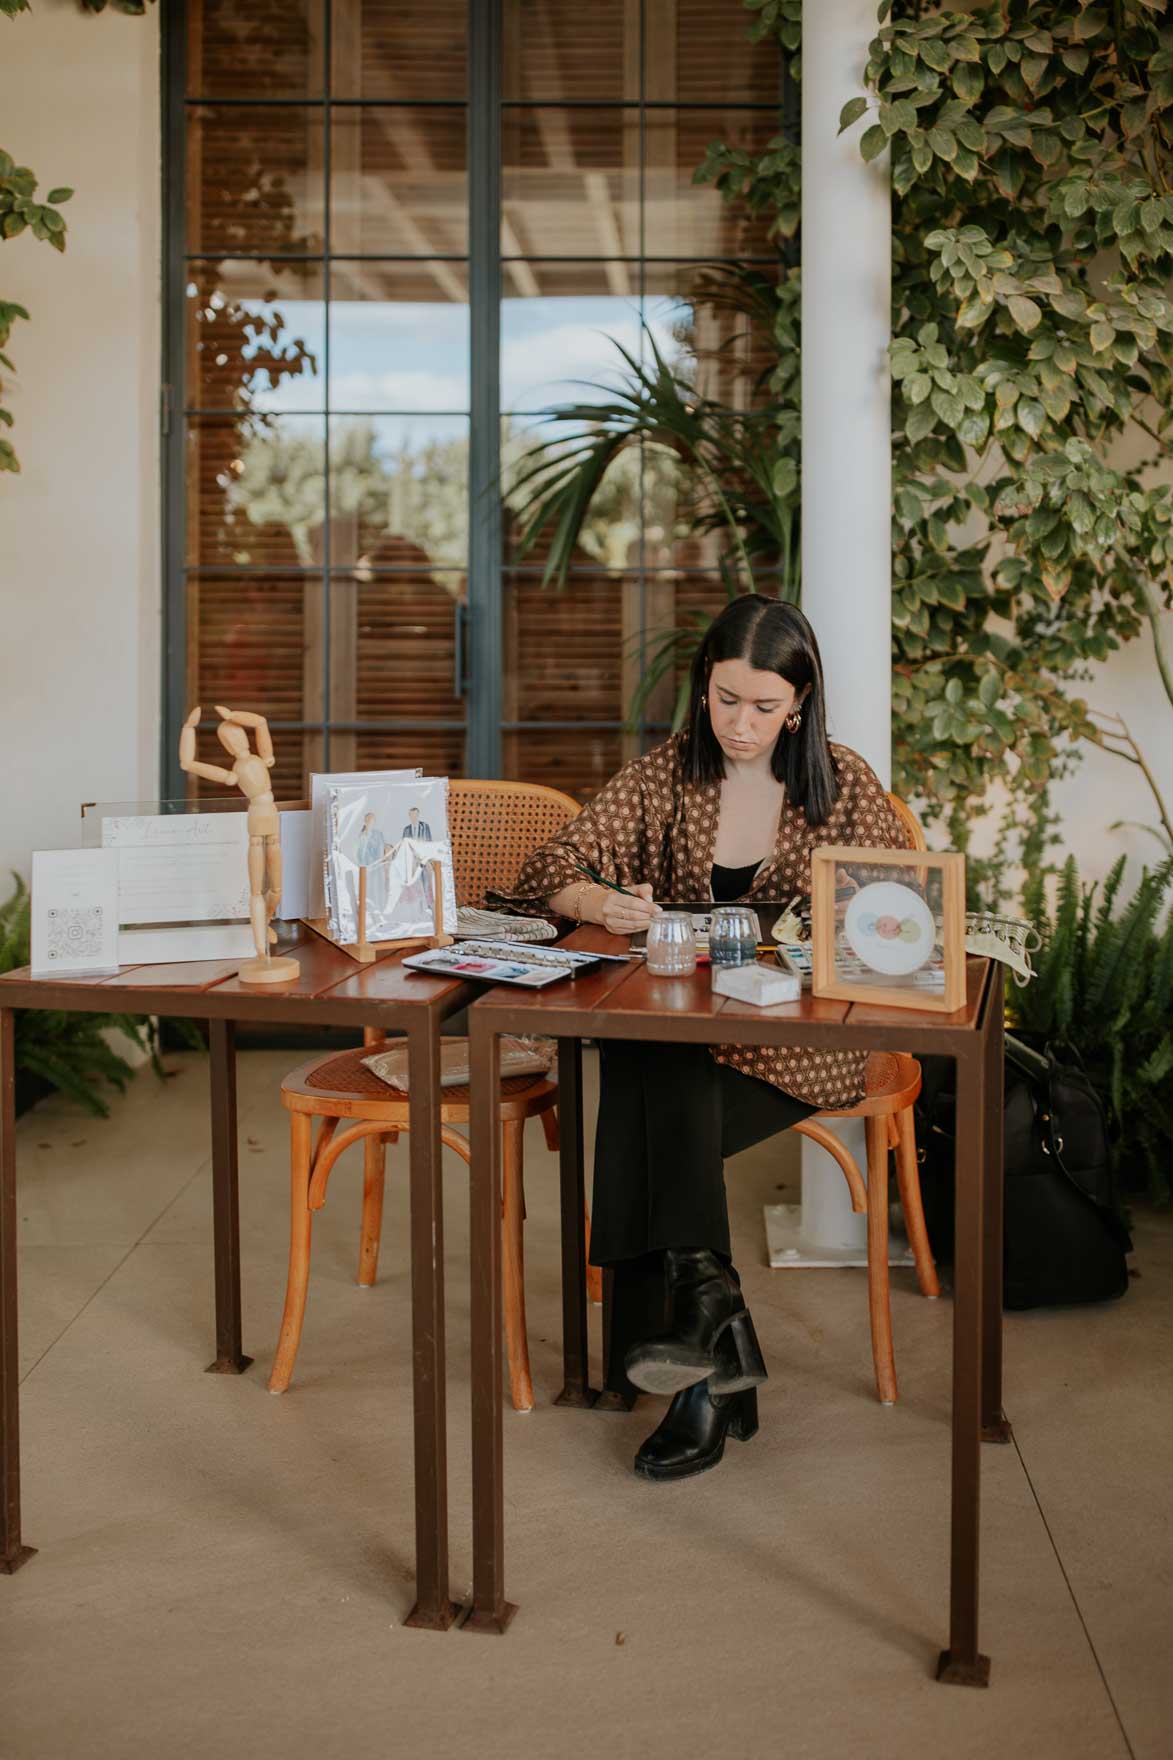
[434, 1609]
[576, 1388]
[617, 1395]
[230, 1357]
[490, 1612]
[995, 1424]
[12, 1552]
[962, 1664]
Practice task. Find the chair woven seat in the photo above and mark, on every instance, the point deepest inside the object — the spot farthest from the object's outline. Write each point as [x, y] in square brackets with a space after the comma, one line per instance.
[884, 1073]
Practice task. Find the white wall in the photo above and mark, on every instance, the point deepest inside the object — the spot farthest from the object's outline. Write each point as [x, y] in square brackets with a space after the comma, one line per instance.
[1105, 789]
[79, 527]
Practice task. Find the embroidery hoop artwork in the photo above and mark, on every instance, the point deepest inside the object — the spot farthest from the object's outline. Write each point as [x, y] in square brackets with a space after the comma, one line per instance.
[898, 938]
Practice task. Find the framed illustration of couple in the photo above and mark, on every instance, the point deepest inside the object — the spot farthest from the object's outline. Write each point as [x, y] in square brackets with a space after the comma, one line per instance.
[395, 833]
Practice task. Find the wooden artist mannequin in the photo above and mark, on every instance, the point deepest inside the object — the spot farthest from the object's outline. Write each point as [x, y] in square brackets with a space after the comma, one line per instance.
[250, 774]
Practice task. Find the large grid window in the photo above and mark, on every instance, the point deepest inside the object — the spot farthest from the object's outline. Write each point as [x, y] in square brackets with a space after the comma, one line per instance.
[334, 242]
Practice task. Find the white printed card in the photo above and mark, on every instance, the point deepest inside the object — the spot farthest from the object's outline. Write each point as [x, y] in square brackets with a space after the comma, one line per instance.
[74, 913]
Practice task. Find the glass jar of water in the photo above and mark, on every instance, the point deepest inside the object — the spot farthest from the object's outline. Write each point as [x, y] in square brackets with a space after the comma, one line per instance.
[671, 945]
[733, 935]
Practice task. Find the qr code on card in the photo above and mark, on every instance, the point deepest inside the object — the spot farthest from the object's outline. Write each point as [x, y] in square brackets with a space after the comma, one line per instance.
[74, 933]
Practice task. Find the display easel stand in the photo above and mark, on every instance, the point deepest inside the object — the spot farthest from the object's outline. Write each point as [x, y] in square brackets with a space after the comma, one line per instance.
[365, 951]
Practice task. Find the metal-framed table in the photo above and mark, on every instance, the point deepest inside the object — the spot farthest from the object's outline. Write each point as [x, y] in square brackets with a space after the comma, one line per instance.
[330, 990]
[626, 1002]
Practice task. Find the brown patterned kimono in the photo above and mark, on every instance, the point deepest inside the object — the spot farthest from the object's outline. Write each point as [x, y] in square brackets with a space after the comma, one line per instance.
[648, 824]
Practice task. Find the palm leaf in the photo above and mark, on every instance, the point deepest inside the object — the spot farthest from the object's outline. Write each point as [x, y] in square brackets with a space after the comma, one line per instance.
[552, 485]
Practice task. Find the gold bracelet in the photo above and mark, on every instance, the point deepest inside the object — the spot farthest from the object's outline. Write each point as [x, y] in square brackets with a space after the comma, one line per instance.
[583, 886]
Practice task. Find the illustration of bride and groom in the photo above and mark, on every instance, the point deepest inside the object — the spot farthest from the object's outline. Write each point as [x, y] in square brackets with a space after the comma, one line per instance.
[397, 879]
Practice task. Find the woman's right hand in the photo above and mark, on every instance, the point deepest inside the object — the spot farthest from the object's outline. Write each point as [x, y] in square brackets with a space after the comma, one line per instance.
[624, 914]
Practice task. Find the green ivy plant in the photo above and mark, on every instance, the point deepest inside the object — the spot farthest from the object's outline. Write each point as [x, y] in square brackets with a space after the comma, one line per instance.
[1032, 245]
[20, 211]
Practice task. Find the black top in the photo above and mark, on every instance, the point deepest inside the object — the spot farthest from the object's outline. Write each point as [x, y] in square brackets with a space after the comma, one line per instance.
[731, 883]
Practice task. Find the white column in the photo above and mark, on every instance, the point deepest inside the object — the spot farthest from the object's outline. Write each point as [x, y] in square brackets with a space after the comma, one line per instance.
[846, 478]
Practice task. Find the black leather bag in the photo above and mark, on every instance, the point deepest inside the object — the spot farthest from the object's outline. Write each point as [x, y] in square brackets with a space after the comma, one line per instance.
[1064, 1238]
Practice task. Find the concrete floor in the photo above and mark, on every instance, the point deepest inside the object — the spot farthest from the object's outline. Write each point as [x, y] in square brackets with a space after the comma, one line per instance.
[224, 1572]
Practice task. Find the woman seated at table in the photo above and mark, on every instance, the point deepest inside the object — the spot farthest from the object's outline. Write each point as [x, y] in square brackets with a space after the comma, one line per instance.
[729, 809]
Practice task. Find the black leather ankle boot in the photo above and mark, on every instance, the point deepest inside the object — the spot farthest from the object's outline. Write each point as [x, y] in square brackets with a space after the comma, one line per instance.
[709, 1331]
[691, 1436]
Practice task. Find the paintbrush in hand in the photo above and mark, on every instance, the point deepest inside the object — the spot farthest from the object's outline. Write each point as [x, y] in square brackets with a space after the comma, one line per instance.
[611, 885]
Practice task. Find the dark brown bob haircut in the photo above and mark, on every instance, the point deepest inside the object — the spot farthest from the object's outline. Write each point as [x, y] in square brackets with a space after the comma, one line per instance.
[770, 636]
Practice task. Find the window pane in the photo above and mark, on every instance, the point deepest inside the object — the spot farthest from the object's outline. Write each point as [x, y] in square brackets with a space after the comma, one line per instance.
[555, 53]
[683, 524]
[672, 504]
[709, 48]
[254, 51]
[254, 181]
[256, 491]
[438, 751]
[400, 48]
[391, 653]
[576, 653]
[296, 753]
[399, 491]
[255, 336]
[683, 219]
[405, 630]
[399, 182]
[609, 538]
[564, 278]
[399, 338]
[570, 183]
[247, 642]
[578, 763]
[563, 647]
[714, 326]
[561, 347]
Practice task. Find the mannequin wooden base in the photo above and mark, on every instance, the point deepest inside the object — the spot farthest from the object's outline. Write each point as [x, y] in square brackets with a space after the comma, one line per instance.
[268, 971]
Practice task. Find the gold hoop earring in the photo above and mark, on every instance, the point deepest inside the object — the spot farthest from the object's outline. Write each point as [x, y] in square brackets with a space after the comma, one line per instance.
[793, 721]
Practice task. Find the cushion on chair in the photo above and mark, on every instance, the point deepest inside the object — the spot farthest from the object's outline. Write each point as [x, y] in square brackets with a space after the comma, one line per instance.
[346, 1073]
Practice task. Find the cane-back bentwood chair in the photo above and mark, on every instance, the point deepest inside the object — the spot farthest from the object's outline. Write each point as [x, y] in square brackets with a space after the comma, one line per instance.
[893, 1082]
[493, 826]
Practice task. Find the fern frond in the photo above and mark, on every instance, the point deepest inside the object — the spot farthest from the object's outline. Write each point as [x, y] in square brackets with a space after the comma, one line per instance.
[1108, 896]
[1157, 1065]
[1083, 942]
[1056, 963]
[62, 1075]
[1119, 942]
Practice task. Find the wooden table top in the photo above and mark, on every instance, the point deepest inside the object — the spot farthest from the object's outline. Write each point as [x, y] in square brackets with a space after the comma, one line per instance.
[618, 1001]
[331, 989]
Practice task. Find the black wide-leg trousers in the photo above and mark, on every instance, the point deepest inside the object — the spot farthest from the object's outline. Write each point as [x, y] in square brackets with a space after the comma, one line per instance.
[669, 1116]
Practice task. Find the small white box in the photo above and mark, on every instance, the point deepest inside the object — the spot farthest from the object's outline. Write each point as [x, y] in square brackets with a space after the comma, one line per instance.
[758, 984]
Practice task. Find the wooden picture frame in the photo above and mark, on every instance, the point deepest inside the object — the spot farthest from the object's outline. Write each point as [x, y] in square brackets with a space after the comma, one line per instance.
[938, 880]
